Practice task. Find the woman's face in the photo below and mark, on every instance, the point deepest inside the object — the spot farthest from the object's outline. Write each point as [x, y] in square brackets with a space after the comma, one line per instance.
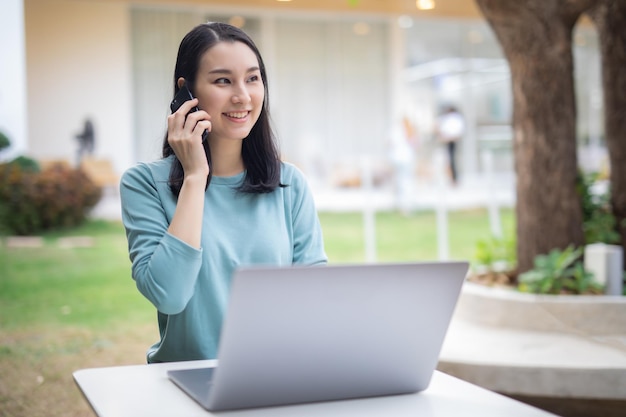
[229, 87]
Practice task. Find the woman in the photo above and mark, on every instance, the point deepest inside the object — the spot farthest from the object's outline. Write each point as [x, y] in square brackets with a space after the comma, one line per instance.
[212, 205]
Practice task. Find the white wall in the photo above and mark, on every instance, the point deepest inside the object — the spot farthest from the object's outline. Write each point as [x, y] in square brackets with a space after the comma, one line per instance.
[333, 93]
[79, 65]
[13, 77]
[330, 96]
[156, 34]
[329, 87]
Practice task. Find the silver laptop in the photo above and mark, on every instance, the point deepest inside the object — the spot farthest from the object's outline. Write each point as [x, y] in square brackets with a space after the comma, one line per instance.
[306, 334]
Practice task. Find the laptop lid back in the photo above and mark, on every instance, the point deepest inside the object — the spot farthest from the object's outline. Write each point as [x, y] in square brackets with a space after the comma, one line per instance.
[304, 334]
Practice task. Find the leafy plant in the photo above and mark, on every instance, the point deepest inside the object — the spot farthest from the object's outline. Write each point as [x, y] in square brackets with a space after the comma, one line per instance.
[32, 201]
[496, 253]
[26, 164]
[559, 272]
[599, 223]
[4, 141]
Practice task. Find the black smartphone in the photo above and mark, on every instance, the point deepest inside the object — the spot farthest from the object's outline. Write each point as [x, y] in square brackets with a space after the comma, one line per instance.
[181, 96]
[184, 94]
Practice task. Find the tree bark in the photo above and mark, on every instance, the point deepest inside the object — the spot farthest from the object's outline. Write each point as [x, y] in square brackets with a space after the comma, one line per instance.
[536, 37]
[609, 16]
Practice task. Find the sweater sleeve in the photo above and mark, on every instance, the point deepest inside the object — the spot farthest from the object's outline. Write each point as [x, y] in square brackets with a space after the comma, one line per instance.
[308, 239]
[164, 267]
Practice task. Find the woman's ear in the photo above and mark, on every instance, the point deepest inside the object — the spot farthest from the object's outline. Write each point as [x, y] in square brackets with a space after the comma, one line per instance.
[180, 82]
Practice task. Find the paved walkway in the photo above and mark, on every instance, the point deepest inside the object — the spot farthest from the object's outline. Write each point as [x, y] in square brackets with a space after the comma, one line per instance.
[533, 345]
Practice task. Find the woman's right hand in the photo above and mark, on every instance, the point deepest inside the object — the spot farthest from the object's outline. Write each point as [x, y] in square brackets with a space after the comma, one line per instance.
[184, 134]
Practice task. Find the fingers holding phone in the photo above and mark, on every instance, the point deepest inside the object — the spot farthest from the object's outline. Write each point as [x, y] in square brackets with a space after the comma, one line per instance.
[187, 128]
[187, 120]
[180, 105]
[201, 123]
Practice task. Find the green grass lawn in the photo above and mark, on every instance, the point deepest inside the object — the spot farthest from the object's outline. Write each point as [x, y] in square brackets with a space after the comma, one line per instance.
[407, 238]
[63, 309]
[55, 286]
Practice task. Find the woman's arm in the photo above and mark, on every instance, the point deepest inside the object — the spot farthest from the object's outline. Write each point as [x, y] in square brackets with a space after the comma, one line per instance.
[164, 267]
[308, 240]
[184, 134]
[187, 221]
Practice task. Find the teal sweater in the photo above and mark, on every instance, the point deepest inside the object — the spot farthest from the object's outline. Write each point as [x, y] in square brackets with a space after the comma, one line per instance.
[188, 286]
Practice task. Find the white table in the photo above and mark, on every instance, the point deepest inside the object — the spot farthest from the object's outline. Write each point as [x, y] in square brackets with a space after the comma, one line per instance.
[145, 390]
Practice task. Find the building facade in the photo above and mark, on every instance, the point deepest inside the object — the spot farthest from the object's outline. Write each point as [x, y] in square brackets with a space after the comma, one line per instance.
[341, 73]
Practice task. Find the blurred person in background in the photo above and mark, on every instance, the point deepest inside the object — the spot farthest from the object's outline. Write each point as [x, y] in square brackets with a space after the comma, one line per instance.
[402, 144]
[86, 141]
[449, 130]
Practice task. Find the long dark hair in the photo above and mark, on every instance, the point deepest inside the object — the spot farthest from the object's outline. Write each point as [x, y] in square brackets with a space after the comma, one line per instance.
[259, 150]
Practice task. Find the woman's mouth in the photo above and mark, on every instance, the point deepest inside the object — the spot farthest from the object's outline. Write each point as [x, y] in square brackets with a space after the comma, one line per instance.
[237, 115]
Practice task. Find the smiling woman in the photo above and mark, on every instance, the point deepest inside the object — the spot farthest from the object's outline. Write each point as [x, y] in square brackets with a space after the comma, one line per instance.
[233, 94]
[210, 206]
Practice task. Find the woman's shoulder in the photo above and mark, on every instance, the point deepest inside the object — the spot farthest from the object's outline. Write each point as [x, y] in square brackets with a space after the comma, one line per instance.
[290, 173]
[153, 171]
[294, 180]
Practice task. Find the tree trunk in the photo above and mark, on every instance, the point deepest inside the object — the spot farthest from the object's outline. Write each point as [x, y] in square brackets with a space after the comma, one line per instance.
[536, 37]
[609, 17]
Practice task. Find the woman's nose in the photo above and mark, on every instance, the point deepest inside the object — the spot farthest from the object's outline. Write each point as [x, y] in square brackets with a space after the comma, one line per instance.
[241, 95]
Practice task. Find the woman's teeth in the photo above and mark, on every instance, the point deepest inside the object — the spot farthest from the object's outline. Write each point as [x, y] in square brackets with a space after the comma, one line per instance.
[238, 115]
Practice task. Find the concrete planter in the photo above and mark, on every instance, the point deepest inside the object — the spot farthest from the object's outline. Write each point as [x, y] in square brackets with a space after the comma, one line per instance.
[546, 346]
[594, 315]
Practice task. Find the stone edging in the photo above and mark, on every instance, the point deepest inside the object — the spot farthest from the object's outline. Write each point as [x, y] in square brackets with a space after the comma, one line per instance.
[591, 315]
[35, 242]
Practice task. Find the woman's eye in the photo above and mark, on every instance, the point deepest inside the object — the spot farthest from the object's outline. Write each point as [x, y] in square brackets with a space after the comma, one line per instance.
[254, 78]
[222, 81]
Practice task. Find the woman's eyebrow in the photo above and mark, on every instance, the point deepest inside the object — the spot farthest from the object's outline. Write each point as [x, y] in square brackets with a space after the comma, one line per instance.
[227, 71]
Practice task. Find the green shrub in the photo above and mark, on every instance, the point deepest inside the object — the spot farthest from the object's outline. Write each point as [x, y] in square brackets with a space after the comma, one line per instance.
[599, 223]
[26, 164]
[496, 253]
[559, 272]
[32, 201]
[4, 141]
